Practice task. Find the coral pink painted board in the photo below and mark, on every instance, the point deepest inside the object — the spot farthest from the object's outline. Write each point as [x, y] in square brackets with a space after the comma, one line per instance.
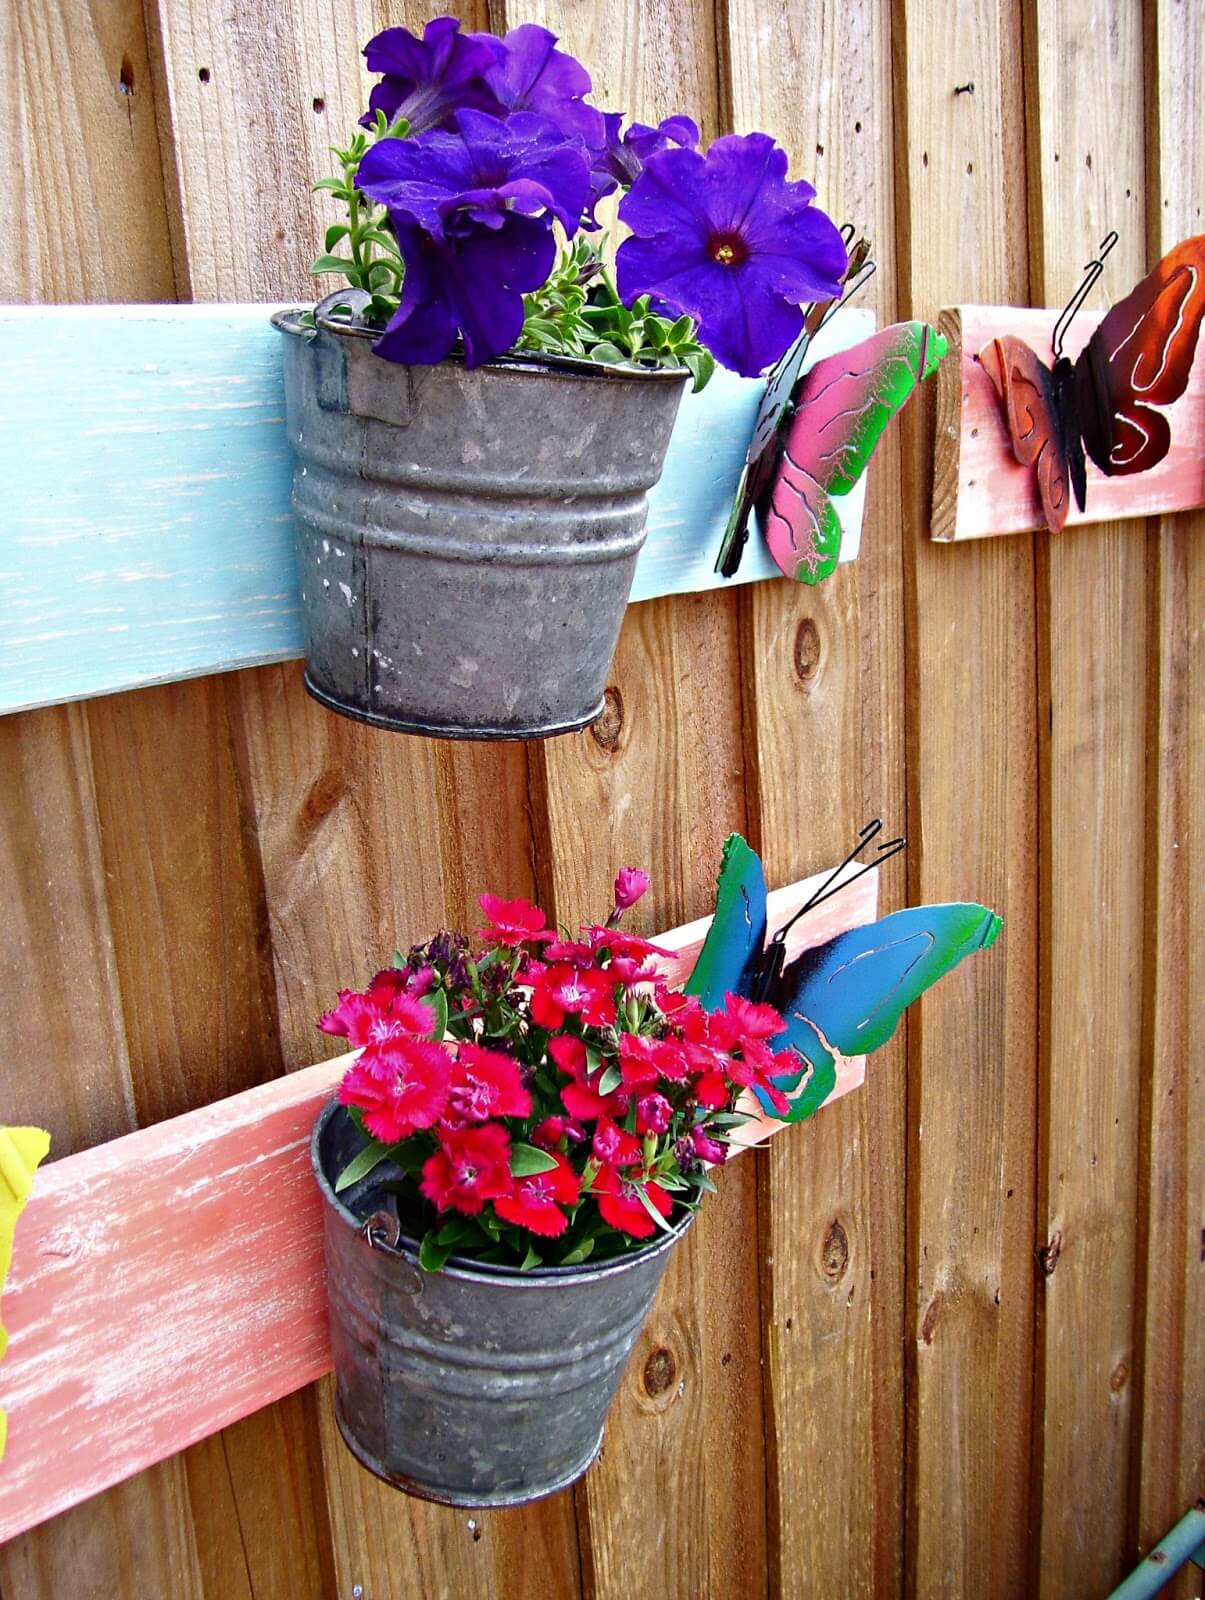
[980, 489]
[169, 1282]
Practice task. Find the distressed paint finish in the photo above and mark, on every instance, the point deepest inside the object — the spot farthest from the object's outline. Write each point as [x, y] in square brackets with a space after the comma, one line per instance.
[148, 474]
[170, 1282]
[980, 488]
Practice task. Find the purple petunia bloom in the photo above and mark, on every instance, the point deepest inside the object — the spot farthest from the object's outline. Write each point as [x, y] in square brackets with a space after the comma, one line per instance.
[472, 210]
[468, 282]
[483, 166]
[535, 76]
[622, 159]
[427, 79]
[726, 238]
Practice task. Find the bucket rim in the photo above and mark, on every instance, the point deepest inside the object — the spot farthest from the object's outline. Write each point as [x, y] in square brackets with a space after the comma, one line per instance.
[467, 1270]
[528, 363]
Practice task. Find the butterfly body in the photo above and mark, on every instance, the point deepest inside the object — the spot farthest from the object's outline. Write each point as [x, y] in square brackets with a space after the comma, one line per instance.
[1108, 404]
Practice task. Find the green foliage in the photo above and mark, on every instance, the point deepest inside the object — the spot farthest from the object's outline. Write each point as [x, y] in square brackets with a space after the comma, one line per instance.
[372, 262]
[579, 313]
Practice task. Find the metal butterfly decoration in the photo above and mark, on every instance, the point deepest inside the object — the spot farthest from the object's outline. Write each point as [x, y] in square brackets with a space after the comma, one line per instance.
[1103, 404]
[844, 997]
[816, 431]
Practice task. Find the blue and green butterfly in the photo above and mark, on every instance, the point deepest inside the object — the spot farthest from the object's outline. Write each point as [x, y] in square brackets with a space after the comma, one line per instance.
[844, 997]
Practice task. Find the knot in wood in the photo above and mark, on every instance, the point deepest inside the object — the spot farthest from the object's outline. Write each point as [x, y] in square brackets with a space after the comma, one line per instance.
[808, 650]
[607, 729]
[1119, 1376]
[1048, 1254]
[321, 798]
[660, 1370]
[834, 1253]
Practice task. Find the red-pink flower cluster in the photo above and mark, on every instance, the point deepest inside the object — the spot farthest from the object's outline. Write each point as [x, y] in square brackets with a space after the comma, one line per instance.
[567, 1071]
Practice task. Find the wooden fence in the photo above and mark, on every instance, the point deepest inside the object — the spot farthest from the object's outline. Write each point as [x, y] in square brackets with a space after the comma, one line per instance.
[946, 1341]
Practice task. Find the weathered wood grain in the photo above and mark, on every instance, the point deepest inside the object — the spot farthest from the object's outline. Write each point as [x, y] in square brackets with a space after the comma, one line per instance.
[980, 489]
[824, 740]
[148, 474]
[81, 190]
[1086, 116]
[239, 165]
[661, 781]
[972, 734]
[196, 1245]
[81, 195]
[1169, 1460]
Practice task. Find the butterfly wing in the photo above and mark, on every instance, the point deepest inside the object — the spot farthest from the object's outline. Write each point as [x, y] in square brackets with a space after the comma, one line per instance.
[738, 930]
[761, 458]
[843, 405]
[1028, 395]
[849, 994]
[764, 447]
[1140, 357]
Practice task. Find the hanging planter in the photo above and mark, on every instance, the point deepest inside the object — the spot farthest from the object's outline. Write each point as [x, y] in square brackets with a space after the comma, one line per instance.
[467, 538]
[478, 418]
[526, 1132]
[476, 1385]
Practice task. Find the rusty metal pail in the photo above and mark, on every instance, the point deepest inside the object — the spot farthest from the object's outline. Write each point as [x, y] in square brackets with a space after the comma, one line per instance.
[466, 539]
[478, 1385]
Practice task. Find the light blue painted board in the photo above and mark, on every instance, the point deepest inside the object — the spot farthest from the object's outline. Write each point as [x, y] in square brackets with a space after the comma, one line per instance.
[145, 530]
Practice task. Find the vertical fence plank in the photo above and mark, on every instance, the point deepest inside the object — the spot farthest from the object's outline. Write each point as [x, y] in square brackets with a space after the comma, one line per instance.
[364, 839]
[824, 674]
[660, 779]
[973, 807]
[1084, 84]
[81, 191]
[1170, 1333]
[83, 207]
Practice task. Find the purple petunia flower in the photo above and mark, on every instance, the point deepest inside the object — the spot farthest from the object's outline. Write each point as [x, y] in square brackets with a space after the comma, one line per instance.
[535, 76]
[429, 78]
[470, 283]
[622, 159]
[726, 238]
[472, 212]
[483, 167]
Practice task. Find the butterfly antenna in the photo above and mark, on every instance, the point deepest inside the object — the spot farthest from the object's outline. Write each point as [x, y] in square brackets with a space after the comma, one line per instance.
[1091, 273]
[820, 311]
[831, 886]
[852, 287]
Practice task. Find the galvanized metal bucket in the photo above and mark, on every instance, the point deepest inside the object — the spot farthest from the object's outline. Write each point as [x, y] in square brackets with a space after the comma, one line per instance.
[466, 540]
[477, 1385]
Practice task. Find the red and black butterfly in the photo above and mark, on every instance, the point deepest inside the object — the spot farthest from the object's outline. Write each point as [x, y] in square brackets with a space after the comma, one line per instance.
[1139, 358]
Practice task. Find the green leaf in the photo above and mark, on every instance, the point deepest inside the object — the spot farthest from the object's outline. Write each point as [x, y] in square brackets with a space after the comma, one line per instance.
[360, 1165]
[410, 1155]
[607, 354]
[336, 231]
[700, 364]
[335, 186]
[526, 1161]
[611, 1079]
[432, 1254]
[382, 274]
[461, 1230]
[576, 1257]
[652, 1209]
[682, 330]
[329, 263]
[438, 1001]
[531, 1259]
